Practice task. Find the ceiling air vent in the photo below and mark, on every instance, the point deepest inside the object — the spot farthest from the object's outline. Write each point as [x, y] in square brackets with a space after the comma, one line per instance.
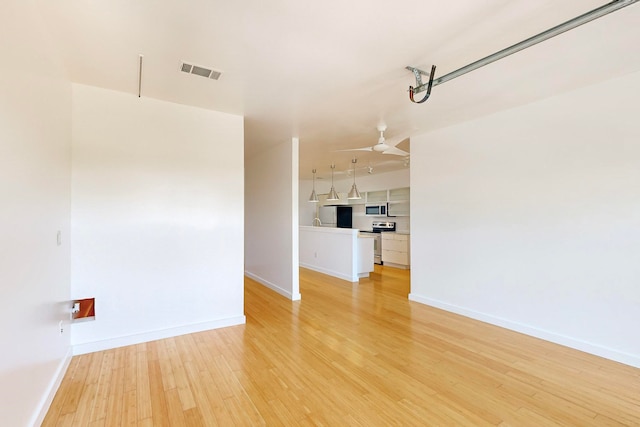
[200, 71]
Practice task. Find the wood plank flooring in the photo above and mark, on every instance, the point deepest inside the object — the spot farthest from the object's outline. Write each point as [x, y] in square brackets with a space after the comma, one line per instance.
[347, 354]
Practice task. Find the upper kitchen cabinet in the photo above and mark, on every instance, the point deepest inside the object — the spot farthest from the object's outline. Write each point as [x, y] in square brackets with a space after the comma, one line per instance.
[398, 202]
[377, 196]
[399, 194]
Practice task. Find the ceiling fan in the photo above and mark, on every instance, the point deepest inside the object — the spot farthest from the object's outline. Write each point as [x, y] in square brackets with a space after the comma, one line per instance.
[385, 146]
[370, 167]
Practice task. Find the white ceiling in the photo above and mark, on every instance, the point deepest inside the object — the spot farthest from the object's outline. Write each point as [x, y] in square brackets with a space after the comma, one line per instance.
[329, 72]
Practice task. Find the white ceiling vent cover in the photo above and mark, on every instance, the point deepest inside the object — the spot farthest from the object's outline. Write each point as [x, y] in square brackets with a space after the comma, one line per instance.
[200, 71]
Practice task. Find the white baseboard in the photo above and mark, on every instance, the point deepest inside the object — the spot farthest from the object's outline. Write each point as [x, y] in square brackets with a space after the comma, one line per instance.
[598, 350]
[328, 272]
[394, 265]
[274, 287]
[108, 344]
[50, 393]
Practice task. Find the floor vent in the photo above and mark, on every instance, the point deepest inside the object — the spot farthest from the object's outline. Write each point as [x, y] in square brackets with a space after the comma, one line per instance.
[200, 71]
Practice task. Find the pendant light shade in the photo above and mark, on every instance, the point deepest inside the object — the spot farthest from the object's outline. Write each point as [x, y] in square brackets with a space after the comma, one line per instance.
[314, 197]
[332, 193]
[354, 194]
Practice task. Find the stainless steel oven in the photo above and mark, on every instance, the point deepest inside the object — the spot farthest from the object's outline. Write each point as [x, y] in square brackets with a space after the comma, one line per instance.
[377, 228]
[377, 248]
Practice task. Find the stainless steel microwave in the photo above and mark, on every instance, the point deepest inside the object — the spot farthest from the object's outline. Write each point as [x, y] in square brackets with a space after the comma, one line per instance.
[379, 209]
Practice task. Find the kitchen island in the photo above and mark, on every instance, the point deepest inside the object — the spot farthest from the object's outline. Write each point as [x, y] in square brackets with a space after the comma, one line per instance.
[338, 252]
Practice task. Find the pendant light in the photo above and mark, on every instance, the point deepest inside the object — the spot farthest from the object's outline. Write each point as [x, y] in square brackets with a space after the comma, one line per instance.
[354, 194]
[332, 193]
[314, 197]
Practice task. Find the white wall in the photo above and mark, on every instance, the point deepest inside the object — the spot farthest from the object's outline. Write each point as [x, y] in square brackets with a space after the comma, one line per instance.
[157, 218]
[271, 220]
[35, 156]
[530, 219]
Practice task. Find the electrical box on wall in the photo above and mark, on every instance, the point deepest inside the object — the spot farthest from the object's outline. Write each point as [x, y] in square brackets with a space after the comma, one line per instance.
[83, 309]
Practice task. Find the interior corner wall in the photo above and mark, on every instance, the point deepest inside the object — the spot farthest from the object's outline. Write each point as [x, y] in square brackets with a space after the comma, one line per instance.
[35, 176]
[529, 219]
[157, 218]
[271, 220]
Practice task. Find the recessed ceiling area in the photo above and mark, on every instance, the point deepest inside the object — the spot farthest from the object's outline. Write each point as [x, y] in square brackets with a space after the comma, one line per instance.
[329, 73]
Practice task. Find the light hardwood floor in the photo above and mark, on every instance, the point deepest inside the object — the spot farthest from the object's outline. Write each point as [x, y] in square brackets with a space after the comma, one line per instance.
[347, 354]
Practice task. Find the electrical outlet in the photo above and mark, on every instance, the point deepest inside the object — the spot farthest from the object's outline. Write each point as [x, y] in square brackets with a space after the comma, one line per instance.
[59, 238]
[61, 327]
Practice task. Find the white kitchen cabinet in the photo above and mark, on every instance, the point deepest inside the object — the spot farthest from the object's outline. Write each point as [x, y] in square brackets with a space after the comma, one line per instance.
[399, 194]
[377, 196]
[398, 209]
[338, 252]
[395, 250]
[398, 204]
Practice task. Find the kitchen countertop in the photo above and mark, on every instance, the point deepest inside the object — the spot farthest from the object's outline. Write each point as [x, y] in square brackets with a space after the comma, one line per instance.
[324, 229]
[329, 230]
[387, 232]
[367, 235]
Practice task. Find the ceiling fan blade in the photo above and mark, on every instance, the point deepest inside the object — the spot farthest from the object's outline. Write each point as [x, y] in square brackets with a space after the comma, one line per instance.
[356, 149]
[392, 142]
[381, 147]
[396, 151]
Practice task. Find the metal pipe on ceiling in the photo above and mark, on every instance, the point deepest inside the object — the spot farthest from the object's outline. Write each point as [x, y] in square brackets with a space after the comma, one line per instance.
[531, 41]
